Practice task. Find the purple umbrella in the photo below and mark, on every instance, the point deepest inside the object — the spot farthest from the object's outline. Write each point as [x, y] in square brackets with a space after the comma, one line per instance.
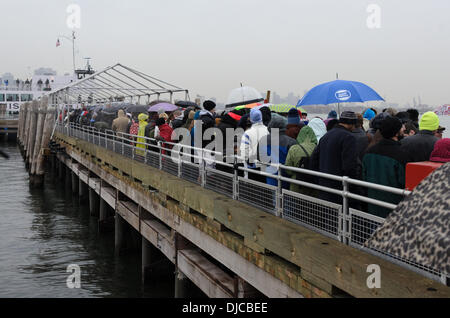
[166, 107]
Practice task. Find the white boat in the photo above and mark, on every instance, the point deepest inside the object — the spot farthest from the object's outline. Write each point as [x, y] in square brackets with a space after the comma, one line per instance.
[13, 95]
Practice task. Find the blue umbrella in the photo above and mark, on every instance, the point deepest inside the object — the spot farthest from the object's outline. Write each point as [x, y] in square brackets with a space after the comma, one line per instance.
[337, 92]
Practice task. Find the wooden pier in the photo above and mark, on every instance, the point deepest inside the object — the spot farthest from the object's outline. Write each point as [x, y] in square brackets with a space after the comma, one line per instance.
[225, 247]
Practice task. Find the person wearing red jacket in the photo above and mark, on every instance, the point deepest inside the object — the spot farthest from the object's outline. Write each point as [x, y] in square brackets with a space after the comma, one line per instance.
[165, 133]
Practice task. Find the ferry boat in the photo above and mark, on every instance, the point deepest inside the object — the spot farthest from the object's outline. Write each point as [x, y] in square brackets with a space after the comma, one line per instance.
[13, 95]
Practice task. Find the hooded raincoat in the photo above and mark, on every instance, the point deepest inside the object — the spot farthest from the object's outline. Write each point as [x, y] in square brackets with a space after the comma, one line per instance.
[141, 133]
[306, 139]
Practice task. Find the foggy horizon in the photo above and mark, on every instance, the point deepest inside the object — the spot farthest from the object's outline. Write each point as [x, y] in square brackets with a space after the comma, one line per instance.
[210, 47]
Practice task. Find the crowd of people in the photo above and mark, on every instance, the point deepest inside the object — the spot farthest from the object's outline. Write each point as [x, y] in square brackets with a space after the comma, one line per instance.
[372, 146]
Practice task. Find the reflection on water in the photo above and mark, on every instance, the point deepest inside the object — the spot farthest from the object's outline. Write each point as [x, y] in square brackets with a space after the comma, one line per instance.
[43, 231]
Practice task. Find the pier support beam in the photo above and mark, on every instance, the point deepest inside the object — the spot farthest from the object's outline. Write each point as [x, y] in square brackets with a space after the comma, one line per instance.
[149, 255]
[67, 177]
[181, 284]
[119, 234]
[83, 191]
[105, 220]
[75, 182]
[94, 204]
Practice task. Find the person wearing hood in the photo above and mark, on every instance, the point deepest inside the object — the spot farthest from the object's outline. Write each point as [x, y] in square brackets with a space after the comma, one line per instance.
[294, 124]
[336, 154]
[368, 115]
[141, 134]
[249, 143]
[278, 156]
[420, 146]
[319, 128]
[307, 142]
[331, 115]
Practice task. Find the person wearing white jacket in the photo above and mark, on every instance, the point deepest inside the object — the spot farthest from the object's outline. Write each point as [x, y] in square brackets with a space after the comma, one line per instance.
[250, 139]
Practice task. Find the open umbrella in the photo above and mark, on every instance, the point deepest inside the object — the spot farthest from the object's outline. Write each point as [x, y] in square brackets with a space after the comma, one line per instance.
[281, 108]
[242, 96]
[253, 105]
[166, 107]
[337, 92]
[137, 108]
[186, 103]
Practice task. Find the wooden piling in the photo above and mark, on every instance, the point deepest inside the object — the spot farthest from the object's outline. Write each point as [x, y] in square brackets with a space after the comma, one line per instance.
[34, 179]
[31, 133]
[48, 123]
[26, 126]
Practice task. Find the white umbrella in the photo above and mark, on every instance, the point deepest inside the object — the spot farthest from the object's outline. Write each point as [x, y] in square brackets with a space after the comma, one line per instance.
[243, 95]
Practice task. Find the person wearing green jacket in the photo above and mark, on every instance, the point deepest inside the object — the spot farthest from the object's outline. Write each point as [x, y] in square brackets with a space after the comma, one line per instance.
[307, 142]
[384, 163]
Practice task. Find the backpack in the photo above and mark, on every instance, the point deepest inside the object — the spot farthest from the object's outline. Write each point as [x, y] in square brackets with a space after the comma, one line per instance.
[305, 163]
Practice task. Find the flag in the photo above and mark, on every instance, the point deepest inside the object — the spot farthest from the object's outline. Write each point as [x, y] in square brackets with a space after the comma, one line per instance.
[57, 43]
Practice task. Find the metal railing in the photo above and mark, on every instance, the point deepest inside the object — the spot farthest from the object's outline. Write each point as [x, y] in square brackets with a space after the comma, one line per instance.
[337, 221]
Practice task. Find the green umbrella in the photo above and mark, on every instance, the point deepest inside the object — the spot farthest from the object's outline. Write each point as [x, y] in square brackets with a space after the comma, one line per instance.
[281, 108]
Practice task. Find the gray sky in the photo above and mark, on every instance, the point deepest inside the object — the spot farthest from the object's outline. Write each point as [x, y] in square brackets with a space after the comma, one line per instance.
[210, 46]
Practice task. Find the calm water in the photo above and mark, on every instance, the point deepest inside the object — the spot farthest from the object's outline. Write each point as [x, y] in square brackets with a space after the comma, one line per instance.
[43, 231]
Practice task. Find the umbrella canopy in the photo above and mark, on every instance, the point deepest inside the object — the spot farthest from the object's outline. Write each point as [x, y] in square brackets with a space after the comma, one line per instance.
[137, 108]
[166, 107]
[253, 105]
[186, 103]
[281, 108]
[418, 230]
[113, 108]
[243, 96]
[337, 92]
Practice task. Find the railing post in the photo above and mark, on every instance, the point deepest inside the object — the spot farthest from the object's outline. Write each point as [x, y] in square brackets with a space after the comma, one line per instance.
[160, 155]
[179, 164]
[345, 214]
[202, 169]
[278, 201]
[235, 180]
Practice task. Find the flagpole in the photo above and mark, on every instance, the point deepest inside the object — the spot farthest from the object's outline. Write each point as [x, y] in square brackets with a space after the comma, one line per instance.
[73, 50]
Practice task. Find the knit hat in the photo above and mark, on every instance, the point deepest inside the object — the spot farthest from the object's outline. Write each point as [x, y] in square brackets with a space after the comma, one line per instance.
[209, 105]
[255, 116]
[332, 114]
[429, 121]
[369, 114]
[293, 118]
[441, 151]
[390, 127]
[348, 117]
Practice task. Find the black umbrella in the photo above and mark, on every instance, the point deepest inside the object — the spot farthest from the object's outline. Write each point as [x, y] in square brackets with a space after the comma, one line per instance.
[186, 103]
[418, 230]
[137, 109]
